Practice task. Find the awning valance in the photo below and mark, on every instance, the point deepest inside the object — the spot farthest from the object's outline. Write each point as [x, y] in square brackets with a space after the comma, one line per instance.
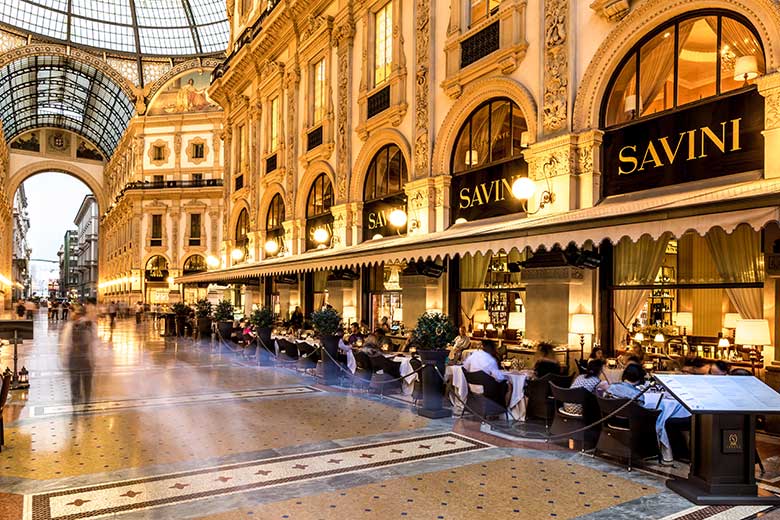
[754, 203]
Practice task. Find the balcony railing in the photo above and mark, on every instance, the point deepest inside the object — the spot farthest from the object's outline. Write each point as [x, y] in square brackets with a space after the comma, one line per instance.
[161, 185]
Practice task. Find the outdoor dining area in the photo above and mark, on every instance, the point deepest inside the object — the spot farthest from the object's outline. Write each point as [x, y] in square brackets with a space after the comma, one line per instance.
[610, 406]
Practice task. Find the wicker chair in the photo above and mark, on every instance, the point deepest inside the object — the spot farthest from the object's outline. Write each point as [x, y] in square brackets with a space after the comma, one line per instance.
[565, 422]
[363, 373]
[485, 395]
[540, 404]
[630, 434]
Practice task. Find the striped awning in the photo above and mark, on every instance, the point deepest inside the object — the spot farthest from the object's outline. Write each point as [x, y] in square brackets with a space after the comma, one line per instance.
[754, 203]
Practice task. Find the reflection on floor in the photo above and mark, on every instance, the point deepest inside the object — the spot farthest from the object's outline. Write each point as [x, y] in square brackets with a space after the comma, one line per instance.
[175, 430]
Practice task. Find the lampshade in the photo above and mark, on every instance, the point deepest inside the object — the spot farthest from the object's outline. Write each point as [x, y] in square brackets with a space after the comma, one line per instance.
[397, 218]
[523, 188]
[730, 320]
[746, 68]
[723, 343]
[752, 332]
[659, 338]
[639, 337]
[349, 312]
[471, 158]
[516, 321]
[482, 316]
[582, 324]
[683, 319]
[398, 314]
[524, 139]
[630, 103]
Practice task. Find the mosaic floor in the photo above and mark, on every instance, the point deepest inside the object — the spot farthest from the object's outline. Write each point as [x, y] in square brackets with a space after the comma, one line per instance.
[174, 430]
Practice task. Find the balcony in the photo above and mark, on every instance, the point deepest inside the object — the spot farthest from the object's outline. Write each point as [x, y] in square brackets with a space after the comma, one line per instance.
[161, 185]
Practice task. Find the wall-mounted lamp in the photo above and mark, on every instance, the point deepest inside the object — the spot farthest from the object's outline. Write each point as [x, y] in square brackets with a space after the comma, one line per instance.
[397, 218]
[237, 254]
[321, 236]
[524, 188]
[212, 262]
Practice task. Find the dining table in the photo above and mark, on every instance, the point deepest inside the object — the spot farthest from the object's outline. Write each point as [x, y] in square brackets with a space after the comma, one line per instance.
[457, 378]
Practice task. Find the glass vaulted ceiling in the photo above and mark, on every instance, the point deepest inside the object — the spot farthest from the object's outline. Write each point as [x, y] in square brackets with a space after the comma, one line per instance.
[54, 91]
[140, 27]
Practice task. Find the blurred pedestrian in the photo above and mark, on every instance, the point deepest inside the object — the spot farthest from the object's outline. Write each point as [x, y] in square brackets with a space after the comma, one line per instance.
[112, 310]
[78, 340]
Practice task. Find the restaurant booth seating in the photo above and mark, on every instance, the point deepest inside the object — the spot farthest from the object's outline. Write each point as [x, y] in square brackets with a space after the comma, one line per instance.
[565, 422]
[4, 389]
[629, 434]
[540, 403]
[485, 395]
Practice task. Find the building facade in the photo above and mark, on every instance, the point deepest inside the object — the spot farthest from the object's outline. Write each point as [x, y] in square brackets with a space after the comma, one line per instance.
[166, 184]
[637, 130]
[87, 263]
[21, 276]
[69, 265]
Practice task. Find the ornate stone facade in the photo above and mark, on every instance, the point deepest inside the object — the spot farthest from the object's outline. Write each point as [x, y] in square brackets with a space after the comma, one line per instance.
[555, 108]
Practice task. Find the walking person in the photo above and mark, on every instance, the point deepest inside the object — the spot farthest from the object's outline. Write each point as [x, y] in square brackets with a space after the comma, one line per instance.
[29, 308]
[65, 310]
[20, 309]
[78, 338]
[112, 310]
[139, 312]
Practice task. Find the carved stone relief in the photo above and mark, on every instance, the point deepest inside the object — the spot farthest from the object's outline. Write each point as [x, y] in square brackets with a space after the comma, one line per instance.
[422, 91]
[556, 66]
[343, 38]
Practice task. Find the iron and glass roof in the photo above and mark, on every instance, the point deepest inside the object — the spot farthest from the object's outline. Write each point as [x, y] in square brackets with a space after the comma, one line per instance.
[55, 91]
[167, 28]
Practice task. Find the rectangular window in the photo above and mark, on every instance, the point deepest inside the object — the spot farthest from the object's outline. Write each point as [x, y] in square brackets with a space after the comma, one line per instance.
[158, 179]
[158, 153]
[198, 151]
[197, 177]
[273, 133]
[481, 9]
[383, 43]
[318, 73]
[156, 230]
[240, 151]
[195, 229]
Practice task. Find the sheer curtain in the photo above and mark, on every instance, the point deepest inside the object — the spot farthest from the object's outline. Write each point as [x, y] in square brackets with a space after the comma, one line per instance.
[657, 56]
[320, 284]
[636, 263]
[739, 260]
[473, 269]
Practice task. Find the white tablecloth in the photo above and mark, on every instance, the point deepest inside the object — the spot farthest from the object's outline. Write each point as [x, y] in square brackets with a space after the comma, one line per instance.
[406, 369]
[516, 400]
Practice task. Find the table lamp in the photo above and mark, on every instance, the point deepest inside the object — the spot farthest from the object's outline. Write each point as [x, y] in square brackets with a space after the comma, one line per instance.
[730, 320]
[639, 337]
[515, 324]
[746, 68]
[754, 333]
[582, 324]
[481, 317]
[684, 321]
[398, 314]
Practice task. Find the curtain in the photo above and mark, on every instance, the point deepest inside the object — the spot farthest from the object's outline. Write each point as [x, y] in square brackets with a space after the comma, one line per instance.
[473, 269]
[656, 62]
[517, 256]
[739, 260]
[635, 264]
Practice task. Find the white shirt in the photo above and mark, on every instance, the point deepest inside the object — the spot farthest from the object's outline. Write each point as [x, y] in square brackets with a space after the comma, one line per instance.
[481, 360]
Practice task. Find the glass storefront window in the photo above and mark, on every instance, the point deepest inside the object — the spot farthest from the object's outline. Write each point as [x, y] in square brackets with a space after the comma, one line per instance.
[680, 63]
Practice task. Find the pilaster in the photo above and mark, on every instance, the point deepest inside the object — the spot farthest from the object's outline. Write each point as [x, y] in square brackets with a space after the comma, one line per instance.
[769, 87]
[342, 226]
[552, 164]
[343, 40]
[421, 205]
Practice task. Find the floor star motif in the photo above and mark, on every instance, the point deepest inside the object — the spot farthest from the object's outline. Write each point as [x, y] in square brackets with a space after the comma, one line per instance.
[131, 494]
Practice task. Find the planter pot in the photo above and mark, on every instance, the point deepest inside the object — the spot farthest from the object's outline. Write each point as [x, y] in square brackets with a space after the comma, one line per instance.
[225, 328]
[204, 328]
[331, 345]
[265, 346]
[432, 383]
[181, 323]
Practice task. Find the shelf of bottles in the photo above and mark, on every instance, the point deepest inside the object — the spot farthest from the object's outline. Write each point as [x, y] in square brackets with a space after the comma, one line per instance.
[502, 291]
[660, 305]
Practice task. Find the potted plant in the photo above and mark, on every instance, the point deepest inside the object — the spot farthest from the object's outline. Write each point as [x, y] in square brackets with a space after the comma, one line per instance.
[203, 310]
[433, 333]
[262, 320]
[223, 315]
[181, 310]
[327, 324]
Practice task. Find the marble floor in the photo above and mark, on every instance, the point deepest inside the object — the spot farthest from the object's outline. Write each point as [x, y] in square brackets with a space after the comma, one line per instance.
[176, 430]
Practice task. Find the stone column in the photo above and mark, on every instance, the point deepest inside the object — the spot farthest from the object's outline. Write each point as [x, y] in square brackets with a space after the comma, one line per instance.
[551, 164]
[769, 87]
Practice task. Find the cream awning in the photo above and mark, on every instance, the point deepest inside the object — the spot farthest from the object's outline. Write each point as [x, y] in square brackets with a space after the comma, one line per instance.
[752, 202]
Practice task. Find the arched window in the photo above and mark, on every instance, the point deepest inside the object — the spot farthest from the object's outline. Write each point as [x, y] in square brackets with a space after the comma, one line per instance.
[195, 264]
[156, 269]
[688, 59]
[320, 197]
[495, 132]
[274, 230]
[242, 235]
[386, 174]
[275, 217]
[319, 221]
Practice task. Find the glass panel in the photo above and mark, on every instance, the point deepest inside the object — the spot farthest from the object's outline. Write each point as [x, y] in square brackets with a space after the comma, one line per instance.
[156, 226]
[369, 190]
[698, 54]
[520, 136]
[656, 73]
[479, 154]
[319, 91]
[478, 11]
[381, 173]
[383, 44]
[394, 182]
[740, 55]
[462, 147]
[274, 130]
[195, 225]
[621, 106]
[500, 131]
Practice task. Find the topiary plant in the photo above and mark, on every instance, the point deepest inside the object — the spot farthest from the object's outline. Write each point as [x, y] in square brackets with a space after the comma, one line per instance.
[434, 331]
[326, 322]
[223, 311]
[262, 318]
[203, 308]
[180, 308]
